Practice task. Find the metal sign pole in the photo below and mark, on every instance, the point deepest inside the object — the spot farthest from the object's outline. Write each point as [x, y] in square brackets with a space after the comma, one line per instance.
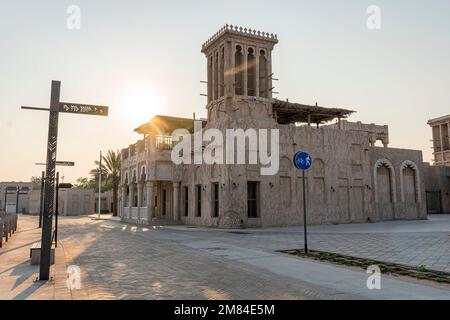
[41, 202]
[56, 210]
[304, 213]
[303, 161]
[49, 186]
[49, 189]
[100, 187]
[17, 199]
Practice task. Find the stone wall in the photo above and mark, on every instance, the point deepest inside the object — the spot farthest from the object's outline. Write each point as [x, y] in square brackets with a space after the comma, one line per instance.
[399, 164]
[437, 184]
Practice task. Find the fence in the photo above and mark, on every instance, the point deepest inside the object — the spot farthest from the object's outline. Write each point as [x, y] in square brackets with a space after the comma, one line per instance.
[8, 226]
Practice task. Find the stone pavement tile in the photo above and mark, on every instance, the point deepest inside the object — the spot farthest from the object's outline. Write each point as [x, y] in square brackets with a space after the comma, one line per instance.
[126, 262]
[17, 276]
[131, 266]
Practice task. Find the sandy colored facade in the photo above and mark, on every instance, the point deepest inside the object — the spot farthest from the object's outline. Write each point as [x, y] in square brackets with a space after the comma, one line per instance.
[71, 202]
[351, 179]
[441, 140]
[8, 195]
[438, 175]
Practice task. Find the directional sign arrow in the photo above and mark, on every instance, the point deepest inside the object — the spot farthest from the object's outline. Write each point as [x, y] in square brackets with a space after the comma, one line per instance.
[59, 163]
[78, 108]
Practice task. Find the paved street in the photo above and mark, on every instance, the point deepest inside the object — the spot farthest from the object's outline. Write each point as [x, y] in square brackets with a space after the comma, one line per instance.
[120, 261]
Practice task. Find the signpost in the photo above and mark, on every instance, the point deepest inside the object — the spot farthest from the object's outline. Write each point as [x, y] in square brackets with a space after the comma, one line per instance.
[100, 187]
[41, 199]
[49, 186]
[303, 161]
[58, 163]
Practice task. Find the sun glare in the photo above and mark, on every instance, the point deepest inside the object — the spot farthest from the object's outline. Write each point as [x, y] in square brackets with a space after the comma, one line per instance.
[139, 107]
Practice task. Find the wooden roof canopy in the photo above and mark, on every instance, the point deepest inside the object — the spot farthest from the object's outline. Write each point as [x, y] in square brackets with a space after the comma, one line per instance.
[165, 125]
[287, 112]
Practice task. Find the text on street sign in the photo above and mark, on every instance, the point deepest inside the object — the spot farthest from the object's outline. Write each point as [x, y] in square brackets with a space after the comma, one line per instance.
[83, 109]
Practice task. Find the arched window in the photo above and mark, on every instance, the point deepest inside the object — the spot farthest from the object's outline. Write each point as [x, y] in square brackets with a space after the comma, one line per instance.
[263, 76]
[238, 74]
[221, 72]
[216, 75]
[210, 67]
[384, 182]
[410, 182]
[143, 175]
[251, 72]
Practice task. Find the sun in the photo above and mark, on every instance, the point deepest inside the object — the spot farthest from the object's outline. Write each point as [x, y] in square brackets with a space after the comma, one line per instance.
[140, 106]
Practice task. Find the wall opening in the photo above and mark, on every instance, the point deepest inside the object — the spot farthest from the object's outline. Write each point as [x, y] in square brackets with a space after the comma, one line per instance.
[238, 75]
[409, 185]
[186, 201]
[216, 75]
[252, 199]
[210, 66]
[384, 184]
[263, 76]
[215, 200]
[444, 135]
[221, 72]
[251, 73]
[198, 197]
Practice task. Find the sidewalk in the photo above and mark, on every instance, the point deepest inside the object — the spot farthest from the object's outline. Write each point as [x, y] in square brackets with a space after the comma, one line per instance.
[18, 276]
[346, 283]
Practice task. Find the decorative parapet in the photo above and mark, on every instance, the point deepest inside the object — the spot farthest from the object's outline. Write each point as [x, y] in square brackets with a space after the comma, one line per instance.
[359, 126]
[240, 31]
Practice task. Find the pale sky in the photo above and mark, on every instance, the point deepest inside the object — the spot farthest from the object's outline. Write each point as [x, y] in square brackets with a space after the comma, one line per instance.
[143, 58]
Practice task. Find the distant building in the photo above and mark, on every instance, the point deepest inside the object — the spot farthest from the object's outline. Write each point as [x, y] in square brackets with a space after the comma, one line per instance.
[437, 176]
[76, 201]
[8, 196]
[351, 180]
[441, 140]
[73, 201]
[106, 201]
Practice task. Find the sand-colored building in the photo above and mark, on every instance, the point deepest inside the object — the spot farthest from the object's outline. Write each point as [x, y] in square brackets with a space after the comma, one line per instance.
[437, 176]
[441, 140]
[351, 179]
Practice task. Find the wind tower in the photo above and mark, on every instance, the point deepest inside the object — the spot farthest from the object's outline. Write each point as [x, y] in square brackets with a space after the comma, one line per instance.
[239, 74]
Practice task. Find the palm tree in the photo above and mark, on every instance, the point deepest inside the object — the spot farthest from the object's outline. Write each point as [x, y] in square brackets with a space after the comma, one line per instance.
[110, 173]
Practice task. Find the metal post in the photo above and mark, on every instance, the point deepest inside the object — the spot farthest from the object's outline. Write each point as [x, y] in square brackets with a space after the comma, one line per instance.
[56, 210]
[41, 202]
[100, 186]
[49, 189]
[304, 213]
[6, 197]
[17, 199]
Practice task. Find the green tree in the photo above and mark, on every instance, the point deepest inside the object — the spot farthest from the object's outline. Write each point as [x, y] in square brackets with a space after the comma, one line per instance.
[36, 180]
[85, 183]
[111, 163]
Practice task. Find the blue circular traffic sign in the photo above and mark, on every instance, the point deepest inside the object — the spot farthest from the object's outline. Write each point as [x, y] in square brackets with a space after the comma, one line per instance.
[302, 160]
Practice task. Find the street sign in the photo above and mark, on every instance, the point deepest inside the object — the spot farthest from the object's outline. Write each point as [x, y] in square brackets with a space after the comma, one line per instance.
[60, 164]
[302, 160]
[56, 107]
[67, 107]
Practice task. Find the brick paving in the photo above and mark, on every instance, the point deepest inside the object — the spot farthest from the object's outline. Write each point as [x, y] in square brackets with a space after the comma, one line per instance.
[121, 261]
[414, 243]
